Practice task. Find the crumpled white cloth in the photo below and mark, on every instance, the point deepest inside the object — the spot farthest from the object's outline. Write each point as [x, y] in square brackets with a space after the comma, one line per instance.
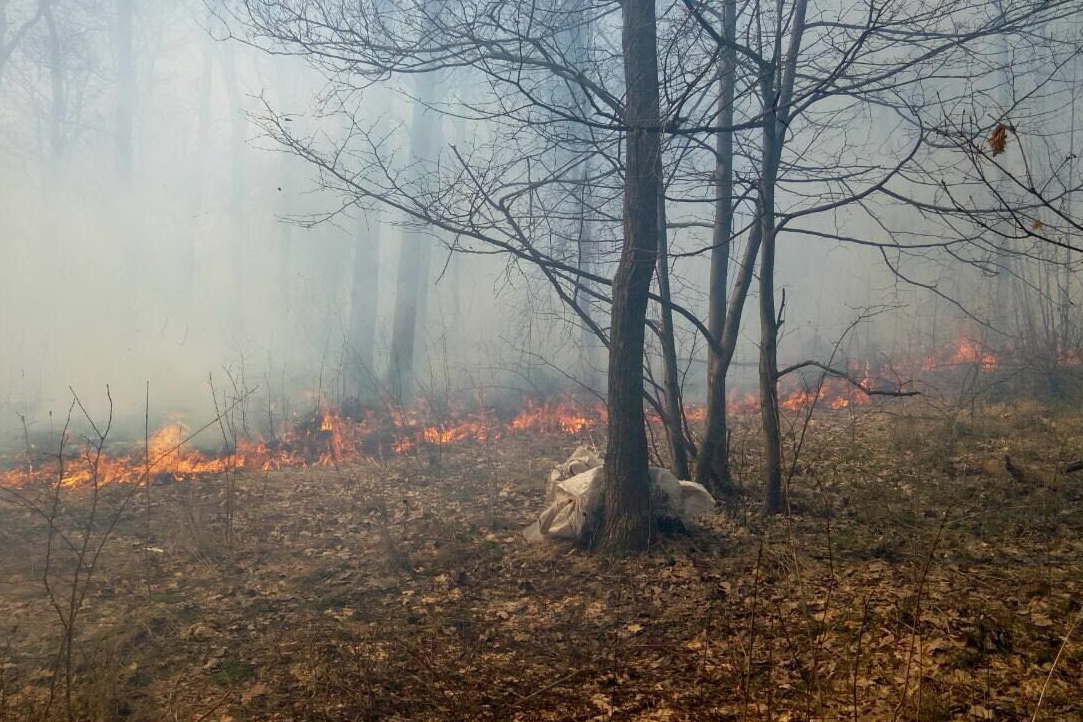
[574, 499]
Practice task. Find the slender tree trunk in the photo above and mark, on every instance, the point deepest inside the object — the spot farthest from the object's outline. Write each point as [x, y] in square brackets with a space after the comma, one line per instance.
[768, 367]
[125, 89]
[589, 372]
[777, 92]
[239, 243]
[674, 420]
[7, 45]
[364, 301]
[712, 464]
[628, 523]
[411, 290]
[3, 35]
[288, 184]
[10, 37]
[57, 95]
[1003, 297]
[190, 259]
[55, 188]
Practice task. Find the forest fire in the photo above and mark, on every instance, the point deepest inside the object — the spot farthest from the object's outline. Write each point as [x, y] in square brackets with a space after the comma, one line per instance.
[963, 351]
[833, 392]
[564, 416]
[328, 437]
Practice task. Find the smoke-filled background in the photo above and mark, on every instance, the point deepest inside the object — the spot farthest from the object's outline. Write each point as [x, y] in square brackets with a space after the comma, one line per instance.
[154, 240]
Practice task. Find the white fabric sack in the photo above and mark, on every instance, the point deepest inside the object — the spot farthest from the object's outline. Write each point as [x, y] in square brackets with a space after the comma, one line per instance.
[573, 500]
[695, 500]
[581, 460]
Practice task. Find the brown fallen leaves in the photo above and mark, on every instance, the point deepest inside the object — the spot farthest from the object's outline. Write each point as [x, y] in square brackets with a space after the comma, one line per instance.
[914, 585]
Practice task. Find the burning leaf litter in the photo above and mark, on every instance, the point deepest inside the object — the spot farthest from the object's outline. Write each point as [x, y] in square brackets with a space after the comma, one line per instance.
[329, 437]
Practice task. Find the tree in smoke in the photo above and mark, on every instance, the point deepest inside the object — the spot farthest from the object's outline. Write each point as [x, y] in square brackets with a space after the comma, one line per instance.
[487, 199]
[754, 117]
[1013, 195]
[125, 87]
[801, 83]
[415, 251]
[628, 520]
[12, 34]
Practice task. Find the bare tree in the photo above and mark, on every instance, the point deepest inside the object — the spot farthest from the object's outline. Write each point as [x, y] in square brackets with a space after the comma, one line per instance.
[485, 199]
[753, 105]
[364, 301]
[807, 80]
[628, 521]
[415, 251]
[11, 35]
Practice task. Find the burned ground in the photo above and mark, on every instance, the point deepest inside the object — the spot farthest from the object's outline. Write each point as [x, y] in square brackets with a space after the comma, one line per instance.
[915, 579]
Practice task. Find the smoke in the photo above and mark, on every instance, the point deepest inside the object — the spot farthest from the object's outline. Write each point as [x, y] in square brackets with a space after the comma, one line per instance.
[180, 285]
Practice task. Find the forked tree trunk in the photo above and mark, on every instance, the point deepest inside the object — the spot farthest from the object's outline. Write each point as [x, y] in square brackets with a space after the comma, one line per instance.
[627, 522]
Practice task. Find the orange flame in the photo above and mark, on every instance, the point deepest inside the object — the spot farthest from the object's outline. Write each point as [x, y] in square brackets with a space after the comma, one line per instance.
[325, 439]
[562, 416]
[963, 351]
[329, 438]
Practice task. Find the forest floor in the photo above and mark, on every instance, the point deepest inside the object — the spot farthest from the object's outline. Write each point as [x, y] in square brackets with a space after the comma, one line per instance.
[914, 579]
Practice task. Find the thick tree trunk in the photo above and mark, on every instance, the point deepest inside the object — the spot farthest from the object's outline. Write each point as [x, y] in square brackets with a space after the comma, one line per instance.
[627, 521]
[712, 464]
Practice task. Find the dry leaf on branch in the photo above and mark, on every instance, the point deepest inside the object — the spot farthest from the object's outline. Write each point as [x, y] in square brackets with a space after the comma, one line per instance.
[999, 139]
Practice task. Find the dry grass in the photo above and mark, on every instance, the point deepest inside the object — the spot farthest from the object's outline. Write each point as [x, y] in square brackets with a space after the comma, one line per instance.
[915, 580]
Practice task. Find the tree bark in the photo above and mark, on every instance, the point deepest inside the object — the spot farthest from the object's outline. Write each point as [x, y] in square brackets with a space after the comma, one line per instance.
[768, 367]
[674, 408]
[777, 92]
[712, 463]
[627, 521]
